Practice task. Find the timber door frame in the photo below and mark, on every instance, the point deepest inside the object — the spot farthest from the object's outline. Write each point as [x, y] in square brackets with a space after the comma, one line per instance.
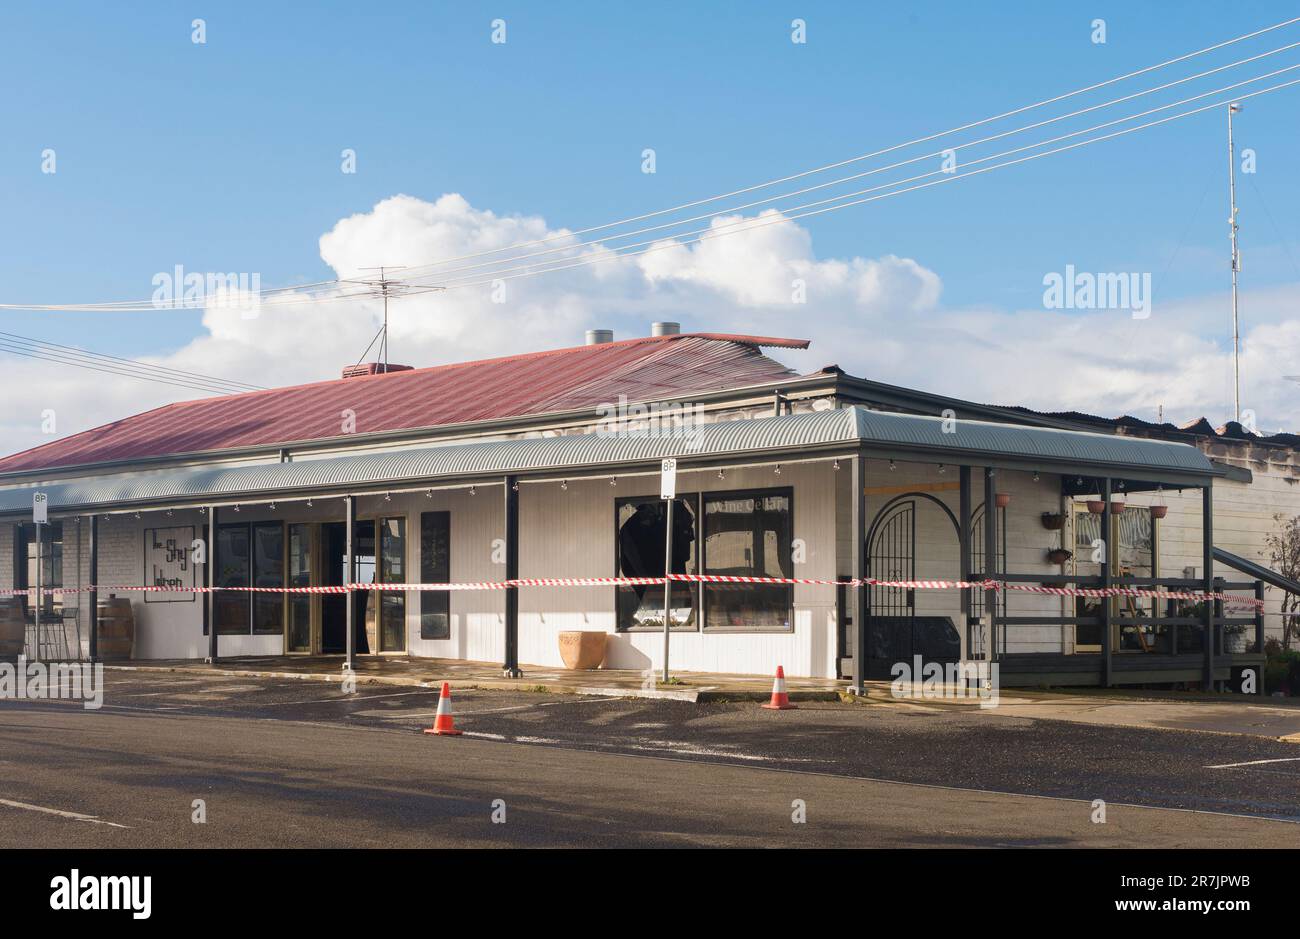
[313, 605]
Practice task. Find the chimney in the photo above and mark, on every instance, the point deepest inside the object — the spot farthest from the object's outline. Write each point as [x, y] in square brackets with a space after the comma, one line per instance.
[372, 368]
[598, 337]
[665, 329]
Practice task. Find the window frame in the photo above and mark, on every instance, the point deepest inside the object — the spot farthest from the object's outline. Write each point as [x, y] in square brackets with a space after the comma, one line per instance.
[24, 540]
[697, 600]
[249, 628]
[438, 598]
[702, 536]
[380, 524]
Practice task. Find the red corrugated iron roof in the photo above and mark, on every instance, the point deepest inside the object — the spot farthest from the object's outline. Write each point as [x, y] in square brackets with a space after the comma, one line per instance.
[642, 369]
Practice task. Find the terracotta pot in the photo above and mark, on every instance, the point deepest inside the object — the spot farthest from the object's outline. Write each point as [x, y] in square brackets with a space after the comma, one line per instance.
[1002, 499]
[1058, 555]
[1096, 506]
[1159, 511]
[1116, 507]
[583, 649]
[1053, 521]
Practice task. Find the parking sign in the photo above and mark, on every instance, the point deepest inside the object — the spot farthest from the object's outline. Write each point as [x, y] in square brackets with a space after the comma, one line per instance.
[668, 479]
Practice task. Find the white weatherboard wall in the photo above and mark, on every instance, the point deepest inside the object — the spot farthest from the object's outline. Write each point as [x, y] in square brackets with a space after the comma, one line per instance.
[572, 534]
[568, 534]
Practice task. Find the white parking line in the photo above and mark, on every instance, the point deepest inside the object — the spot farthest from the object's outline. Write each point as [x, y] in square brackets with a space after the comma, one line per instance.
[351, 697]
[76, 816]
[1286, 759]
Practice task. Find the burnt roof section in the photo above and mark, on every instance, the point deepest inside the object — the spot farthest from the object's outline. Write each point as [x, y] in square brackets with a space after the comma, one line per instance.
[1232, 431]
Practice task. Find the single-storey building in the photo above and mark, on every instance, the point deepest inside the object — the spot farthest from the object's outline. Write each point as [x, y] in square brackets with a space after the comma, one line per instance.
[546, 466]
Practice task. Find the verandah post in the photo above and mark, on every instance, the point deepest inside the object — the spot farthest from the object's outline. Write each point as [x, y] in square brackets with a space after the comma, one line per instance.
[1106, 578]
[1259, 633]
[511, 665]
[858, 509]
[212, 582]
[991, 557]
[964, 550]
[93, 652]
[349, 578]
[1207, 537]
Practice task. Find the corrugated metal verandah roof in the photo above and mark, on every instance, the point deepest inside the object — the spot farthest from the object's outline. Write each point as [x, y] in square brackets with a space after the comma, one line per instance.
[829, 431]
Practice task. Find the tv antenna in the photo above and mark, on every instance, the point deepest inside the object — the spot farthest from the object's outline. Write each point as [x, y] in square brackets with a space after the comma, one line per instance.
[386, 287]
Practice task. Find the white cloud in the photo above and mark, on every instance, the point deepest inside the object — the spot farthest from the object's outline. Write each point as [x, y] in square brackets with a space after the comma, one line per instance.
[879, 318]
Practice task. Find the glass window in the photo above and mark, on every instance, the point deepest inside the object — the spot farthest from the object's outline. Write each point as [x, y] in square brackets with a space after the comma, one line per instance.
[268, 571]
[641, 546]
[233, 569]
[363, 537]
[299, 574]
[435, 568]
[51, 549]
[749, 535]
[392, 570]
[250, 555]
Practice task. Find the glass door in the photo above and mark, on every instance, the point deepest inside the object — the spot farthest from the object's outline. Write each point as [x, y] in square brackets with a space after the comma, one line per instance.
[298, 621]
[392, 570]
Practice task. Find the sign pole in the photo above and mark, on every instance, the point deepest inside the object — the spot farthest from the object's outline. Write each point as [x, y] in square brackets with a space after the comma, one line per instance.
[668, 492]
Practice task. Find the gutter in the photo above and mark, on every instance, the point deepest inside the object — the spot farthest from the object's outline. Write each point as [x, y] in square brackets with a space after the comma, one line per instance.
[831, 449]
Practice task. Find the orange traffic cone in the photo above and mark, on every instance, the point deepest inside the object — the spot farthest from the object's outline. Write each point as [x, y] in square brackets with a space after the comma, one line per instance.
[780, 699]
[442, 723]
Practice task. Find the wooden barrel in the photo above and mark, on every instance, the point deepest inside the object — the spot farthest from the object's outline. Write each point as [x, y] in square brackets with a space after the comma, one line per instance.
[116, 628]
[12, 627]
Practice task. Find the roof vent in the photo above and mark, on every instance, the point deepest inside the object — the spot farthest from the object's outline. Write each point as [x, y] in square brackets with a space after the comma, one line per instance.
[665, 329]
[598, 337]
[373, 368]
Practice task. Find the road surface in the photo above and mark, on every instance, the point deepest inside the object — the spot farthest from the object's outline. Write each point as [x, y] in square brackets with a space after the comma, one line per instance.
[277, 763]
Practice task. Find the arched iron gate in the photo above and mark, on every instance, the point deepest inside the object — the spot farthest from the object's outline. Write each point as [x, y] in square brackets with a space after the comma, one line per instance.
[894, 631]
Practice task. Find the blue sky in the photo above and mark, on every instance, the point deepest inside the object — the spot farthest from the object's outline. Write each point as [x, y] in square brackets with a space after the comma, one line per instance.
[225, 156]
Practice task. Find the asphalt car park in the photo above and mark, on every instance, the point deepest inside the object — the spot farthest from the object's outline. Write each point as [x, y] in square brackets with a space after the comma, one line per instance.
[898, 742]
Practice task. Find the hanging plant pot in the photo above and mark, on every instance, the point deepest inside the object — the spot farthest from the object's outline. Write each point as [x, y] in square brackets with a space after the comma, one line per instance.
[1053, 521]
[1116, 508]
[1002, 499]
[1159, 511]
[1096, 506]
[1059, 555]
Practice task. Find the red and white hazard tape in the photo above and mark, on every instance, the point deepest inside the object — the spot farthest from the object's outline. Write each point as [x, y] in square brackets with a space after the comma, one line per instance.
[1095, 592]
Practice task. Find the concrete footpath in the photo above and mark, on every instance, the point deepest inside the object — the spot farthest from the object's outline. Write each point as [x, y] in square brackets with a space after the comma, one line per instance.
[1271, 718]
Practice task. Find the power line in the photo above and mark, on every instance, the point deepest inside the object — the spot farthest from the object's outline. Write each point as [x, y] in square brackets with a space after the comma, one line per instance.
[605, 241]
[21, 351]
[134, 363]
[295, 298]
[783, 219]
[115, 365]
[866, 156]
